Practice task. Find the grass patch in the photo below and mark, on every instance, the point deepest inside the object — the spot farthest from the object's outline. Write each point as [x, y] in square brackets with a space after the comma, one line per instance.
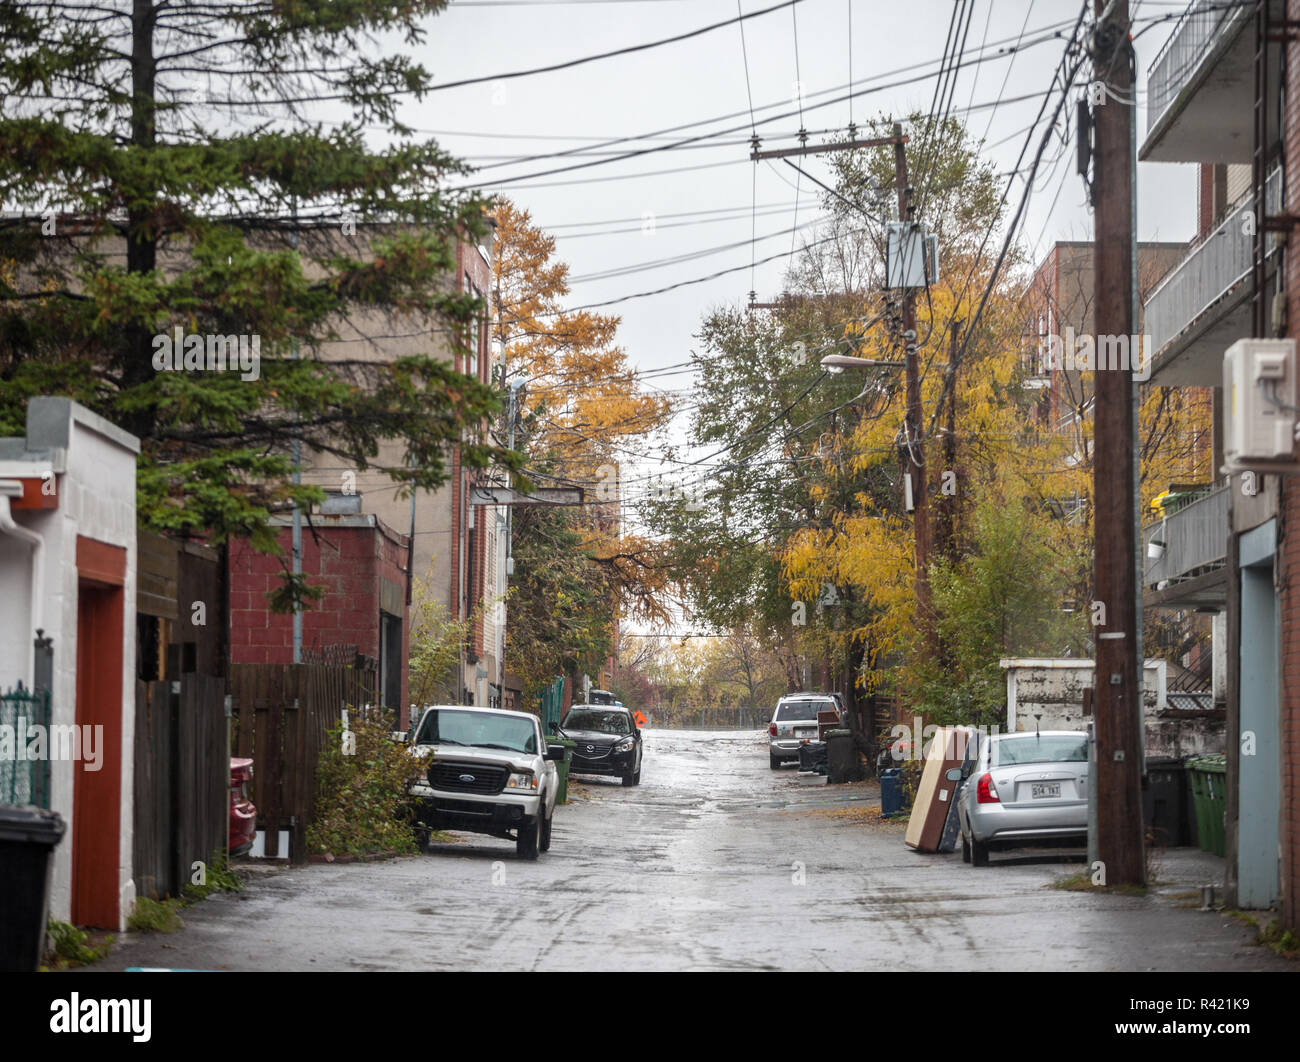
[1283, 942]
[155, 916]
[1081, 881]
[217, 877]
[67, 947]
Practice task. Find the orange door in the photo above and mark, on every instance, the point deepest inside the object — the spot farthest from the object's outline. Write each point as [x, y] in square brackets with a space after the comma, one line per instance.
[97, 795]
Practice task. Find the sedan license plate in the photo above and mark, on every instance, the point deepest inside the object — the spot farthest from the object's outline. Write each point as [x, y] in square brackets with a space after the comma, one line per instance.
[1042, 790]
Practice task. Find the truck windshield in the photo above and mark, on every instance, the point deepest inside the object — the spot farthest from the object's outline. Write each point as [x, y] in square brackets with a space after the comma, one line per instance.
[446, 726]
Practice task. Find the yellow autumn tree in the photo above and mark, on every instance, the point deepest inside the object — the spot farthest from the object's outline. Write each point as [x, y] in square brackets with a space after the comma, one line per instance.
[581, 411]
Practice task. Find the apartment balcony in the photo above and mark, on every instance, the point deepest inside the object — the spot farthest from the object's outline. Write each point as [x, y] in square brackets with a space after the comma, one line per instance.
[1201, 88]
[1203, 306]
[1192, 543]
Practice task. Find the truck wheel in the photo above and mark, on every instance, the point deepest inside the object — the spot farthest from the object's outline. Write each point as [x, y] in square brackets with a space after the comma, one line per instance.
[526, 842]
[979, 853]
[421, 838]
[544, 835]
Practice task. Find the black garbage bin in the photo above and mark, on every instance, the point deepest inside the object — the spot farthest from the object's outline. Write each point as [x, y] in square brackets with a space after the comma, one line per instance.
[28, 836]
[1164, 802]
[843, 764]
[812, 754]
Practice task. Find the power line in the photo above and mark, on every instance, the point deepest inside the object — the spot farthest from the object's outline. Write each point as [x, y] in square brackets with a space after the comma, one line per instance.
[754, 122]
[611, 54]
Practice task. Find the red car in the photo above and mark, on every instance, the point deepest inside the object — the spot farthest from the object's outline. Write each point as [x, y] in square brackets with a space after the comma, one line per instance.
[243, 814]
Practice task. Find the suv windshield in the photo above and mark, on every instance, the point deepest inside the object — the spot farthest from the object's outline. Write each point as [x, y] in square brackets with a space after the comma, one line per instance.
[603, 721]
[1033, 748]
[802, 710]
[447, 726]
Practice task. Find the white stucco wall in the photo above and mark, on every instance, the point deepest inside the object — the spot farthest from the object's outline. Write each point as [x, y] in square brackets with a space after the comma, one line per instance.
[96, 499]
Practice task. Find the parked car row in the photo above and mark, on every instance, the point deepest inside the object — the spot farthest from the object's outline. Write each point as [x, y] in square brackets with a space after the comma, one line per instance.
[494, 771]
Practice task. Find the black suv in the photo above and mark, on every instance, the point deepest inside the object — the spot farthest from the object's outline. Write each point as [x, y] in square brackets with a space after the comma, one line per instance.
[608, 741]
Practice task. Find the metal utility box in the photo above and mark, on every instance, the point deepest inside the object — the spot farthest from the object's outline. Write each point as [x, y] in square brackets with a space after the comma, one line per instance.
[1259, 399]
[911, 256]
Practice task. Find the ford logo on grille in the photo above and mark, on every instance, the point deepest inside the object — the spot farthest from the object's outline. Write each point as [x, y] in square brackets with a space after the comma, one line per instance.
[467, 778]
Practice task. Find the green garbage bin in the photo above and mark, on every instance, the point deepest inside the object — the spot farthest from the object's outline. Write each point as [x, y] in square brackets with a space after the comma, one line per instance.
[562, 767]
[1208, 776]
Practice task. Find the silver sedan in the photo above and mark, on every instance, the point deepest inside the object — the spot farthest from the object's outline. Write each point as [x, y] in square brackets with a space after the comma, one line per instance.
[1024, 789]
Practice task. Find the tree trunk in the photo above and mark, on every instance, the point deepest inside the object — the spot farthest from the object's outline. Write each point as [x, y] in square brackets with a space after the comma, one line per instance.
[141, 239]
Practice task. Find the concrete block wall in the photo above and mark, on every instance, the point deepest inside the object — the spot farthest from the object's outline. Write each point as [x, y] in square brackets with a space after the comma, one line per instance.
[350, 557]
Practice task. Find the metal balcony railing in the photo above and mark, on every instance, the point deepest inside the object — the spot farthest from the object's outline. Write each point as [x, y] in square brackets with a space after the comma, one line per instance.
[1195, 538]
[1193, 38]
[1211, 269]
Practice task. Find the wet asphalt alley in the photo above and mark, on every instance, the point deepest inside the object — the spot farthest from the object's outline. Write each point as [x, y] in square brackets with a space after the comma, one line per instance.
[714, 862]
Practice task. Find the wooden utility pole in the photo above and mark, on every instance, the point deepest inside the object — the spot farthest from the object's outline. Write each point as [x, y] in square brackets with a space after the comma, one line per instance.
[1118, 675]
[945, 517]
[913, 459]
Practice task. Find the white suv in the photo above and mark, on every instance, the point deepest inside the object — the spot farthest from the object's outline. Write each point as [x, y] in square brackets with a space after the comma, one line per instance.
[492, 772]
[795, 721]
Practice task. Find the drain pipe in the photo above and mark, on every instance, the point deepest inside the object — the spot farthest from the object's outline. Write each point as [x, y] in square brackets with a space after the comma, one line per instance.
[12, 488]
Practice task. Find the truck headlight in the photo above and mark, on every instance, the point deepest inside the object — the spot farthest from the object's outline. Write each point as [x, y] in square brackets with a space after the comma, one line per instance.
[522, 781]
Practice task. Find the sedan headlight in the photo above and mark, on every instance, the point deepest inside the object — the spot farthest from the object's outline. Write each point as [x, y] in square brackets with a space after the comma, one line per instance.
[522, 781]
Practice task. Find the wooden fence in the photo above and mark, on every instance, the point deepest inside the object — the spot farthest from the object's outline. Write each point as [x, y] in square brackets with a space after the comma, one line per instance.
[280, 715]
[182, 781]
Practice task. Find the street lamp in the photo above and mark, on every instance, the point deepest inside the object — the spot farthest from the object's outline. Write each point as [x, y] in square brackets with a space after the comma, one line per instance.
[837, 363]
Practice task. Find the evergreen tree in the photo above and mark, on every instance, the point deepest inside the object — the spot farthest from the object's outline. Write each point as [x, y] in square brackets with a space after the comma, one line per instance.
[168, 182]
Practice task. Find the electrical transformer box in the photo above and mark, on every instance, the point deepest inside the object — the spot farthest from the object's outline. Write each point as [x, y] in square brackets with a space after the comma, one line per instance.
[1259, 401]
[911, 256]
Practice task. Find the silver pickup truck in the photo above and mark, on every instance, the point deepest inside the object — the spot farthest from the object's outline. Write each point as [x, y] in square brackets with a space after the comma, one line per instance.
[492, 772]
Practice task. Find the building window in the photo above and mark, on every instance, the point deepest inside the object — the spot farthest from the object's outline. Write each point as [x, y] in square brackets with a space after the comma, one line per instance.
[390, 661]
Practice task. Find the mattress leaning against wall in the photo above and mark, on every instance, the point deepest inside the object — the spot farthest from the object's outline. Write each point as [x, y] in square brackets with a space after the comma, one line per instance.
[935, 793]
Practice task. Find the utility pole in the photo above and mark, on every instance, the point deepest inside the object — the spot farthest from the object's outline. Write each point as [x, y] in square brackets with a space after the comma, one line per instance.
[913, 460]
[1118, 675]
[296, 533]
[945, 517]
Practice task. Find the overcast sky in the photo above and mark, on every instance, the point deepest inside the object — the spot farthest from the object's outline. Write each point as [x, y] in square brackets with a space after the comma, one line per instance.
[716, 77]
[705, 78]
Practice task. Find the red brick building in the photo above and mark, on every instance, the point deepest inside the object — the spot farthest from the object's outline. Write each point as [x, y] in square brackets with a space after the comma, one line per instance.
[1288, 576]
[361, 564]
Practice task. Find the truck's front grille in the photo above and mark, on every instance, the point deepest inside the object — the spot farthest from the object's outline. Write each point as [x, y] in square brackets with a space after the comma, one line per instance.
[452, 777]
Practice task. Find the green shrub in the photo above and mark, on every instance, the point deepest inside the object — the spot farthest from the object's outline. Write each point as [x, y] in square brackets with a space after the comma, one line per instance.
[67, 946]
[362, 805]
